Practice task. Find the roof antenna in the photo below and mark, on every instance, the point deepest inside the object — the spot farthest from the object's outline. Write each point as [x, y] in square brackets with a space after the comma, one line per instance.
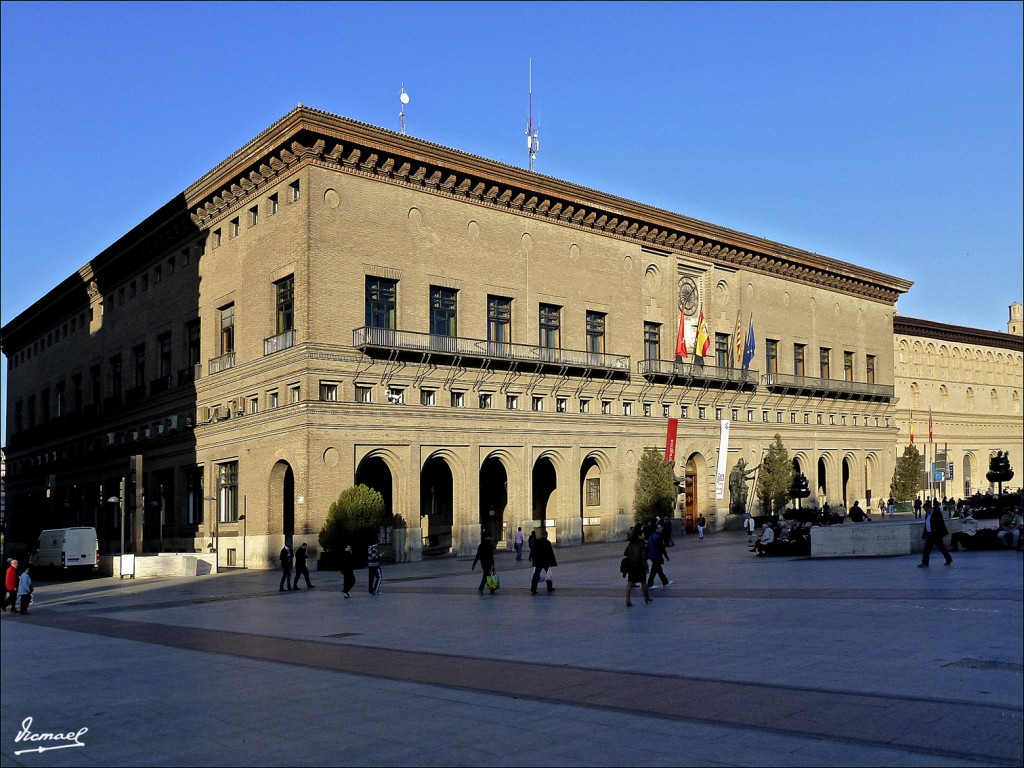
[532, 142]
[404, 98]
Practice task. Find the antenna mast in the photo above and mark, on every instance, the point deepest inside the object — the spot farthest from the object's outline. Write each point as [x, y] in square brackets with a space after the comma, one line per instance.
[404, 98]
[532, 142]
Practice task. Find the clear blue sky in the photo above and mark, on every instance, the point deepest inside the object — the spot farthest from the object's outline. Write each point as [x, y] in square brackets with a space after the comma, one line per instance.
[887, 135]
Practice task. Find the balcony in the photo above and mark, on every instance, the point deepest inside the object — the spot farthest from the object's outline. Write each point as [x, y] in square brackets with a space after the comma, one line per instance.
[368, 339]
[222, 363]
[698, 374]
[160, 385]
[279, 342]
[782, 383]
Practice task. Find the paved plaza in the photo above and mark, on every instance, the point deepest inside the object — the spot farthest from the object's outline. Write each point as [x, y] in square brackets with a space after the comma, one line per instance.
[741, 661]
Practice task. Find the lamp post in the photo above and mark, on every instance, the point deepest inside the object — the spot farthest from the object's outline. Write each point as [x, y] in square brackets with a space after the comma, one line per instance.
[120, 503]
[216, 535]
[242, 518]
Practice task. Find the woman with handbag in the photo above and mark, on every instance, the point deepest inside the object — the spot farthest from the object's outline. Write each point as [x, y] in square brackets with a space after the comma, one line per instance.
[636, 571]
[484, 556]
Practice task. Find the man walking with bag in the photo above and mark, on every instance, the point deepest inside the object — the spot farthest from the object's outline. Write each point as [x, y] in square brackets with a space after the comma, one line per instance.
[543, 561]
[484, 556]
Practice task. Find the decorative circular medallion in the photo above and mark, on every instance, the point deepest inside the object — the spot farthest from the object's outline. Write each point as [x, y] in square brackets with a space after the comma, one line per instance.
[689, 298]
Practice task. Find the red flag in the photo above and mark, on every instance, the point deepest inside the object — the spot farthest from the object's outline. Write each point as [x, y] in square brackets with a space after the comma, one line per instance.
[911, 426]
[681, 337]
[929, 425]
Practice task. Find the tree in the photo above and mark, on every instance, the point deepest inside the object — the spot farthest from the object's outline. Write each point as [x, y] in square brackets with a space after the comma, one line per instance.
[906, 478]
[355, 518]
[775, 478]
[655, 491]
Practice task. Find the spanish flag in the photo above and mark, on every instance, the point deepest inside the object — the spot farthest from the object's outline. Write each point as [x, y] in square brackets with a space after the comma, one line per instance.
[703, 339]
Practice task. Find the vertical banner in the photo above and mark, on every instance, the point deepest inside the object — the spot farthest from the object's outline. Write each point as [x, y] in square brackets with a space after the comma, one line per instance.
[723, 453]
[670, 440]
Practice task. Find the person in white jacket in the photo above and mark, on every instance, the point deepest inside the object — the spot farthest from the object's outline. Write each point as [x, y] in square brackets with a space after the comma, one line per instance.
[767, 537]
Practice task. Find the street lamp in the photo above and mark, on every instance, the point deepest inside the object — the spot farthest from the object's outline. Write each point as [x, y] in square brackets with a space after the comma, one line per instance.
[242, 518]
[216, 535]
[117, 500]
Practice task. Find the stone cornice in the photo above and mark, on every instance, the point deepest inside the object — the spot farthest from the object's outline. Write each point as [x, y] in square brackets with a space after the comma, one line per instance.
[310, 136]
[959, 334]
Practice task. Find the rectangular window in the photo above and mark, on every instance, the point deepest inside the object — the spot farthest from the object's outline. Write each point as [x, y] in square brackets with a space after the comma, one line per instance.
[818, 419]
[593, 491]
[870, 360]
[328, 392]
[750, 414]
[666, 410]
[648, 409]
[595, 333]
[652, 341]
[764, 416]
[499, 320]
[771, 355]
[77, 395]
[537, 403]
[285, 290]
[192, 350]
[296, 393]
[364, 394]
[164, 343]
[807, 417]
[62, 401]
[824, 355]
[131, 290]
[550, 326]
[684, 411]
[274, 204]
[792, 417]
[227, 498]
[144, 282]
[458, 399]
[139, 359]
[272, 399]
[294, 189]
[799, 355]
[722, 356]
[735, 414]
[396, 395]
[194, 495]
[381, 296]
[831, 419]
[512, 402]
[627, 408]
[702, 412]
[443, 312]
[485, 400]
[561, 404]
[606, 407]
[96, 384]
[234, 227]
[227, 329]
[115, 375]
[254, 216]
[158, 272]
[848, 366]
[778, 417]
[718, 414]
[427, 397]
[254, 405]
[584, 405]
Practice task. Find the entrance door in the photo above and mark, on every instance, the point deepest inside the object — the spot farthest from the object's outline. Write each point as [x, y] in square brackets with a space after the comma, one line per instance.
[691, 496]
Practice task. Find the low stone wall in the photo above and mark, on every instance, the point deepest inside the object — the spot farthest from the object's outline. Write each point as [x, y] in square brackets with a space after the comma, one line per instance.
[161, 565]
[873, 539]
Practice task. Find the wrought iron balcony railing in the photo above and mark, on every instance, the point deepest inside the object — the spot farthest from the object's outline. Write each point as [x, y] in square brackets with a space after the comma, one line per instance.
[410, 341]
[277, 343]
[782, 382]
[697, 372]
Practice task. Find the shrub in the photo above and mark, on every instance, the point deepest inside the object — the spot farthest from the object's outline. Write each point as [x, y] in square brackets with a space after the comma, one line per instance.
[355, 518]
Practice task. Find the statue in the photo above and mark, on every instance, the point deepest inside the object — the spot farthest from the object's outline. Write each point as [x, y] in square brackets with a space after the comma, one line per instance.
[738, 479]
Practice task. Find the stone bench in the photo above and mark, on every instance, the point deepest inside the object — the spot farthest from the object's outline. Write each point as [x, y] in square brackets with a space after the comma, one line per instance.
[873, 539]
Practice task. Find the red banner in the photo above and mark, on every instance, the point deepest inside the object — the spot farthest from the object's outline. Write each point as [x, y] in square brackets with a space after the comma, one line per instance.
[670, 440]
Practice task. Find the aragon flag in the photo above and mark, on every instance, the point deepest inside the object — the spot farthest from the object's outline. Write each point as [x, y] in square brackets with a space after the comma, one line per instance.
[681, 337]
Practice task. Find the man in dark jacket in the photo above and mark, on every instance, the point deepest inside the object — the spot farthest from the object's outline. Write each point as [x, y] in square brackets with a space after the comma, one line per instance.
[286, 568]
[348, 566]
[543, 559]
[657, 555]
[484, 556]
[934, 530]
[300, 567]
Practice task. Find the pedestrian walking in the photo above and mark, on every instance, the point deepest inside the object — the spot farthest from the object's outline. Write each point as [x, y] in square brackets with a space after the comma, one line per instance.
[701, 522]
[484, 556]
[543, 561]
[373, 572]
[636, 565]
[748, 526]
[519, 543]
[892, 506]
[24, 591]
[657, 555]
[348, 573]
[532, 542]
[11, 585]
[286, 568]
[666, 532]
[934, 530]
[300, 567]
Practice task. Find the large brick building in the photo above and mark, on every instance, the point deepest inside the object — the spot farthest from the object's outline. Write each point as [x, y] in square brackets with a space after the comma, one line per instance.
[336, 303]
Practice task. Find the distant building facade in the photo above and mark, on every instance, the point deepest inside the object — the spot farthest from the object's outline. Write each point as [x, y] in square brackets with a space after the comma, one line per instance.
[959, 392]
[488, 347]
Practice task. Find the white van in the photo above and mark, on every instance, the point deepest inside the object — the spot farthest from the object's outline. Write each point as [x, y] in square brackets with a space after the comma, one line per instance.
[67, 548]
